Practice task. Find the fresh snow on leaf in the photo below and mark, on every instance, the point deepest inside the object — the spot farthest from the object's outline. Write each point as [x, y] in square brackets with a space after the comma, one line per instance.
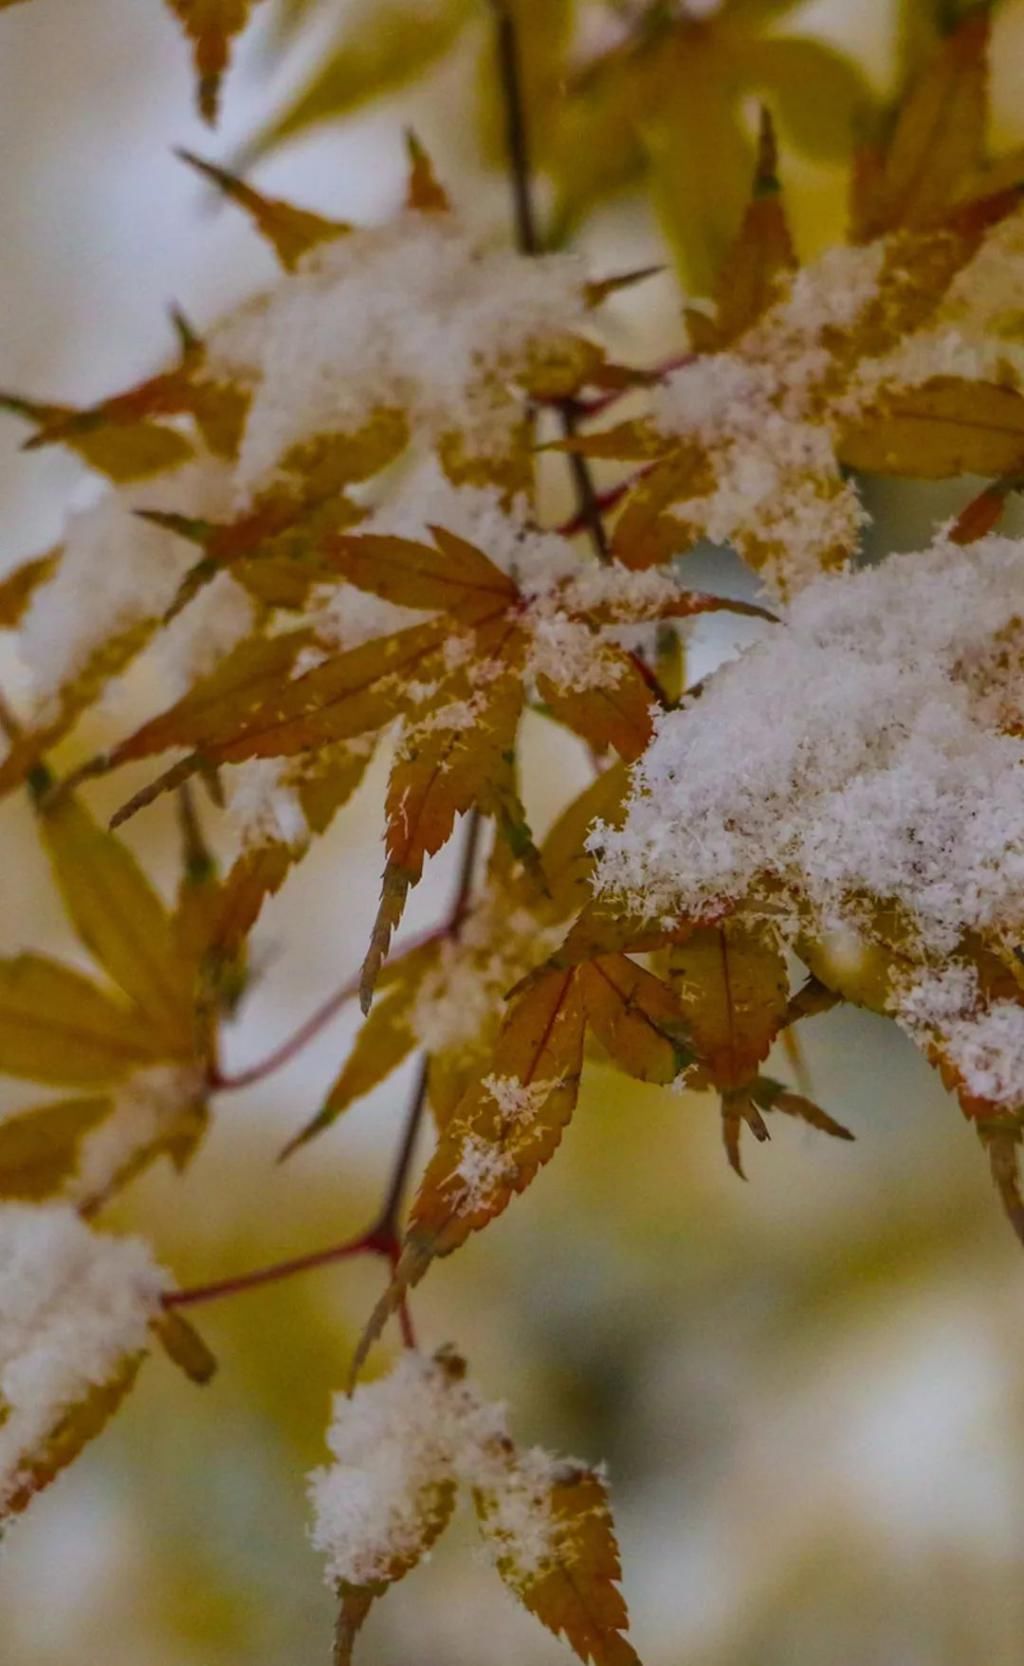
[75, 1307]
[147, 1109]
[391, 1486]
[844, 756]
[404, 1444]
[117, 572]
[409, 316]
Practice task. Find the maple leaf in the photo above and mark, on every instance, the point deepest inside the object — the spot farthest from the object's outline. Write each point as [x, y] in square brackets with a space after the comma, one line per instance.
[742, 1107]
[572, 1585]
[937, 145]
[508, 1124]
[132, 435]
[290, 231]
[627, 120]
[460, 679]
[78, 1313]
[637, 1018]
[136, 1043]
[733, 993]
[400, 1471]
[447, 995]
[889, 357]
[403, 1445]
[381, 48]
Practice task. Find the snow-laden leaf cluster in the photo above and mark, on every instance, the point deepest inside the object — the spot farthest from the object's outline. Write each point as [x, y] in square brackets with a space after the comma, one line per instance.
[318, 528]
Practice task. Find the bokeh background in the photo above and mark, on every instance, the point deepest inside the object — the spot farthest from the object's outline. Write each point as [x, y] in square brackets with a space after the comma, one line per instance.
[809, 1389]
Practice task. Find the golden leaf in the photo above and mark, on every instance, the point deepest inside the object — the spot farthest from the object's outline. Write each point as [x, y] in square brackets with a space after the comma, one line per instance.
[39, 1148]
[638, 1020]
[57, 1026]
[119, 918]
[938, 141]
[733, 991]
[574, 1589]
[79, 1425]
[384, 1040]
[944, 427]
[290, 231]
[183, 1344]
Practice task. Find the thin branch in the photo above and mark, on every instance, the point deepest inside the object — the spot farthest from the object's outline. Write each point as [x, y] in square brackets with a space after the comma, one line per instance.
[383, 1237]
[366, 1244]
[309, 1029]
[588, 502]
[517, 141]
[517, 145]
[225, 1082]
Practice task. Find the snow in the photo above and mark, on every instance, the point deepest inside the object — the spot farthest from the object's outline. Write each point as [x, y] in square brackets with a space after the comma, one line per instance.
[147, 1108]
[482, 1173]
[215, 621]
[775, 487]
[345, 617]
[395, 1443]
[400, 1444]
[263, 803]
[518, 1524]
[983, 1043]
[411, 316]
[75, 1305]
[518, 1102]
[460, 994]
[844, 756]
[116, 571]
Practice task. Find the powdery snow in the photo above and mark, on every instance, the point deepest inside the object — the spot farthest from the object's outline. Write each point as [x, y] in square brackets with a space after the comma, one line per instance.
[846, 754]
[777, 490]
[409, 315]
[75, 1305]
[482, 1173]
[147, 1107]
[263, 804]
[984, 1044]
[519, 1101]
[457, 997]
[116, 571]
[399, 1444]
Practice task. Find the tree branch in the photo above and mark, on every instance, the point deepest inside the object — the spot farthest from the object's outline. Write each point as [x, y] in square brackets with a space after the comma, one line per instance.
[517, 145]
[384, 1236]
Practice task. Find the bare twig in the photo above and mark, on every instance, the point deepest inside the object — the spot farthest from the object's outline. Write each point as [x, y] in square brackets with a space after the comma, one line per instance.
[517, 144]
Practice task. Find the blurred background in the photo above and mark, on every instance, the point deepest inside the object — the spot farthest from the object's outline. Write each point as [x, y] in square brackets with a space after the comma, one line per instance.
[810, 1389]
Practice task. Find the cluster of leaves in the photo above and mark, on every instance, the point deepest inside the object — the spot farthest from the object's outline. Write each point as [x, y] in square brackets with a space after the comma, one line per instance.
[545, 1523]
[600, 89]
[503, 998]
[924, 201]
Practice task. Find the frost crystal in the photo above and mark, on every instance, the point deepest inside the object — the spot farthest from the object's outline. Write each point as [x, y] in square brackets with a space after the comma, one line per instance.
[519, 1101]
[481, 1174]
[74, 1307]
[845, 756]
